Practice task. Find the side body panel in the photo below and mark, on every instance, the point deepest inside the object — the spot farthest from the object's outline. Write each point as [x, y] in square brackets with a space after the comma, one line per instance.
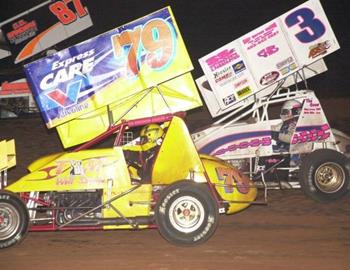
[103, 169]
[232, 186]
[177, 157]
[247, 140]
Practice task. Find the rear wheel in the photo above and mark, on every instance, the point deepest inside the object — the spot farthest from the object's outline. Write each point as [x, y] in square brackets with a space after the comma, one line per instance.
[186, 213]
[324, 176]
[14, 219]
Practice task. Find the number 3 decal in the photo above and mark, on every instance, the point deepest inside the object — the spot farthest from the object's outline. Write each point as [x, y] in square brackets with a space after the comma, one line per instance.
[312, 28]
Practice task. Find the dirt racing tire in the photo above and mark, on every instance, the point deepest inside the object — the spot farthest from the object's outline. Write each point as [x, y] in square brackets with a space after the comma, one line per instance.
[14, 219]
[324, 176]
[186, 213]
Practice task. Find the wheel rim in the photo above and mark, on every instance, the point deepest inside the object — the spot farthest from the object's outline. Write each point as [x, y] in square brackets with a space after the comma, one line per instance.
[9, 221]
[186, 214]
[329, 177]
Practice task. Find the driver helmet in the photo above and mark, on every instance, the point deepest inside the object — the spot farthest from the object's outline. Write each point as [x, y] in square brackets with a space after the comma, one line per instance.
[290, 109]
[150, 136]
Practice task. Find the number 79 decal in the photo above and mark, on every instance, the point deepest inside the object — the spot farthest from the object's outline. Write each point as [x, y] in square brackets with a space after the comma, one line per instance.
[231, 179]
[156, 39]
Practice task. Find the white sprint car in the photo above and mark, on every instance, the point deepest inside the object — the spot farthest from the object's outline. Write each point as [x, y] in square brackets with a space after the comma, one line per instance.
[296, 149]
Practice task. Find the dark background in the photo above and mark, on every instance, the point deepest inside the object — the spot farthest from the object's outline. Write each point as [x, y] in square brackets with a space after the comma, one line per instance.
[207, 25]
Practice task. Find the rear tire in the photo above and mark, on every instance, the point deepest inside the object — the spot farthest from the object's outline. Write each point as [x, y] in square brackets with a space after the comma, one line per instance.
[324, 176]
[14, 219]
[186, 213]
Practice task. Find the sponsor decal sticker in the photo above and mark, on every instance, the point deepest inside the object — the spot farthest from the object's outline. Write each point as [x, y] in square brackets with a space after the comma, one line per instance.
[311, 134]
[22, 30]
[229, 99]
[269, 78]
[222, 58]
[268, 51]
[244, 92]
[285, 62]
[239, 67]
[319, 49]
[223, 74]
[288, 68]
[269, 32]
[256, 142]
[241, 83]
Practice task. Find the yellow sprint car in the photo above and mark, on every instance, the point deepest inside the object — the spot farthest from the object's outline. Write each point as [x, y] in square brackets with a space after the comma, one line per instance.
[156, 181]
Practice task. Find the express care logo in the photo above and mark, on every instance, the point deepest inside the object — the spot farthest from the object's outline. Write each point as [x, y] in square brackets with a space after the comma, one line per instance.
[63, 72]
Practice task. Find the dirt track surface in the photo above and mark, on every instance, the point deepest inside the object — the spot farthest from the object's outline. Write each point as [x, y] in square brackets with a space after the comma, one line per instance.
[291, 232]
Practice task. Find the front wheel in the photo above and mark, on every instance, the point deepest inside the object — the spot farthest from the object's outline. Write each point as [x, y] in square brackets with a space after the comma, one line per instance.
[186, 213]
[14, 219]
[324, 176]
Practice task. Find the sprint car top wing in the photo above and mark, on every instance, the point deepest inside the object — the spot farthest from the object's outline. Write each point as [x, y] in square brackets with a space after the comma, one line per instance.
[253, 65]
[136, 70]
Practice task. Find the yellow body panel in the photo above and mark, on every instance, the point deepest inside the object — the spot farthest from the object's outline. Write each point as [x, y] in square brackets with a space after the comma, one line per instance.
[7, 154]
[88, 169]
[101, 169]
[177, 156]
[39, 163]
[107, 170]
[232, 186]
[179, 94]
[137, 203]
[178, 159]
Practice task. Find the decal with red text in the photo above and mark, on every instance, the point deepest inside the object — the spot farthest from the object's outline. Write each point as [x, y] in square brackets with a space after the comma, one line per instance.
[42, 27]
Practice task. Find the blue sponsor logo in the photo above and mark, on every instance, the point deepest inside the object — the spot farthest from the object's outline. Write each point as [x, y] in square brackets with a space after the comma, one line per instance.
[239, 67]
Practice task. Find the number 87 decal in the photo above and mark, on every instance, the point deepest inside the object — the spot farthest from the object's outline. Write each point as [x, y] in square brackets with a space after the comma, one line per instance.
[312, 28]
[155, 41]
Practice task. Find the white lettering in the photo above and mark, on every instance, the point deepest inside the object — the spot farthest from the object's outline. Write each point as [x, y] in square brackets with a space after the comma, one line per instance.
[166, 200]
[4, 197]
[67, 62]
[206, 229]
[61, 76]
[51, 80]
[88, 65]
[46, 83]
